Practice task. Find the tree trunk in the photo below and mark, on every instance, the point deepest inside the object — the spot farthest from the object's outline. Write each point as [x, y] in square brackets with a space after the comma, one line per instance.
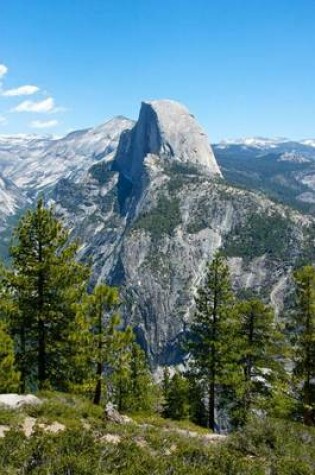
[41, 353]
[42, 376]
[211, 407]
[98, 387]
[99, 368]
[307, 412]
[23, 353]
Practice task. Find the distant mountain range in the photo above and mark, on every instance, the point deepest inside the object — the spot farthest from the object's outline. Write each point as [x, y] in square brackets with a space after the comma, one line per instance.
[283, 169]
[264, 143]
[151, 201]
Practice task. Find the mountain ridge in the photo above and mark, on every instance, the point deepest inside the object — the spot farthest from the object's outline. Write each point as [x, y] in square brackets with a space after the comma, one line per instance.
[150, 211]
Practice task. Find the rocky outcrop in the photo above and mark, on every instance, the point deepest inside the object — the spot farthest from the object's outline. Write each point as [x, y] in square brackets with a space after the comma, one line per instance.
[15, 401]
[152, 218]
[150, 209]
[35, 164]
[112, 415]
[167, 130]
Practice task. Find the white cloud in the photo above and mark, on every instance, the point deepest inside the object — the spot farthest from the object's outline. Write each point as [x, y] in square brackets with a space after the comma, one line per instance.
[3, 70]
[44, 124]
[46, 105]
[26, 90]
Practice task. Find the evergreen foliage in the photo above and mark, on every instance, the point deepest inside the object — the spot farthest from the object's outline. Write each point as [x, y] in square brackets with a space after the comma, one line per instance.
[261, 235]
[142, 390]
[112, 366]
[98, 331]
[120, 369]
[46, 282]
[9, 377]
[262, 342]
[215, 337]
[197, 406]
[162, 219]
[53, 333]
[176, 394]
[303, 343]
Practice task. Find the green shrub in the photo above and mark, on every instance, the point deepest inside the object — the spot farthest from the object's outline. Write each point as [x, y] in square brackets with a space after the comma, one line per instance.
[162, 219]
[260, 235]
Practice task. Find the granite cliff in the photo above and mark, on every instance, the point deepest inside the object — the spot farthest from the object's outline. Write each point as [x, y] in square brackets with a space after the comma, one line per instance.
[152, 216]
[149, 204]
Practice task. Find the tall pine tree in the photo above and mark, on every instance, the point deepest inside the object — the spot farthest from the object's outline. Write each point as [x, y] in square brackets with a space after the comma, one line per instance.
[99, 326]
[303, 339]
[176, 405]
[262, 342]
[46, 282]
[214, 346]
[120, 368]
[142, 389]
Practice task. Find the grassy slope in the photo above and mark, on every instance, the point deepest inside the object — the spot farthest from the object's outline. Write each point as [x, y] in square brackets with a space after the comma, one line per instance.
[150, 445]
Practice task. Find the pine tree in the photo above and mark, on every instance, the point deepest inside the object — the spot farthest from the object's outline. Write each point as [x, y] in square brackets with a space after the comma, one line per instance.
[9, 377]
[120, 368]
[166, 383]
[99, 326]
[142, 389]
[177, 398]
[196, 397]
[46, 282]
[304, 342]
[109, 360]
[261, 344]
[215, 340]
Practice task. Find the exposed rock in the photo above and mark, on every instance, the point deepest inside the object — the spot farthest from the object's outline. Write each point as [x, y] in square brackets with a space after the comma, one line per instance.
[15, 401]
[3, 430]
[196, 435]
[165, 129]
[30, 423]
[112, 415]
[36, 163]
[28, 426]
[111, 438]
[141, 442]
[148, 203]
[171, 450]
[151, 219]
[53, 428]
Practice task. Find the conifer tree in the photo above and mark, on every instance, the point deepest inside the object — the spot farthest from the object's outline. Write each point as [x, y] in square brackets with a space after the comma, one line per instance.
[109, 359]
[46, 282]
[215, 339]
[142, 389]
[196, 397]
[262, 342]
[9, 377]
[99, 326]
[166, 381]
[303, 340]
[120, 368]
[177, 398]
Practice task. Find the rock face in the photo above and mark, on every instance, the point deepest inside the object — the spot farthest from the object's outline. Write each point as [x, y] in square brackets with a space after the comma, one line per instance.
[35, 163]
[152, 218]
[165, 129]
[150, 207]
[15, 401]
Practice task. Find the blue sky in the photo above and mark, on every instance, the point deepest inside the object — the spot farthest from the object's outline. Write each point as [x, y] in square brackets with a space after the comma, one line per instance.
[243, 68]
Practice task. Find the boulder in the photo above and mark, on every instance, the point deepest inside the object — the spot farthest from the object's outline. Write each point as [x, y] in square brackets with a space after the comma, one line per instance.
[15, 401]
[112, 415]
